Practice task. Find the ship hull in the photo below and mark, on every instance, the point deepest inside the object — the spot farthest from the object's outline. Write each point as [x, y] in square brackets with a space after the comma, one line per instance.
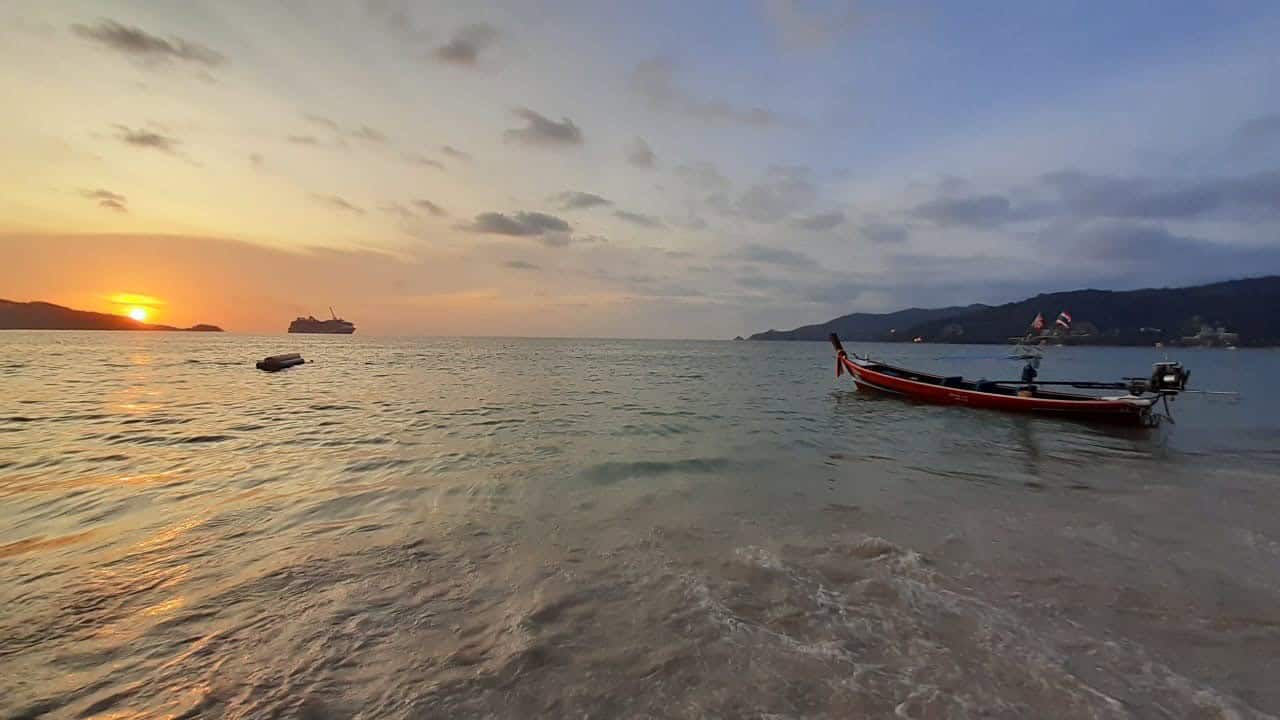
[313, 330]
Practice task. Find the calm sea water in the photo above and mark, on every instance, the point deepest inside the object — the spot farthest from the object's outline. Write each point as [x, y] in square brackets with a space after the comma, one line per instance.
[595, 528]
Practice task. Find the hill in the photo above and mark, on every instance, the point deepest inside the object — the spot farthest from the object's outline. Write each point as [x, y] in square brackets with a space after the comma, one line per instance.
[1134, 317]
[869, 326]
[47, 316]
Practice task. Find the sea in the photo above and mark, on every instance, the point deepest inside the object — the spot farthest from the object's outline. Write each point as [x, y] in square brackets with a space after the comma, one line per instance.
[520, 528]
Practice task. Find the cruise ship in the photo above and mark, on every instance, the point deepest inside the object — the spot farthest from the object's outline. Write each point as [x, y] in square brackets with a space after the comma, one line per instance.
[334, 326]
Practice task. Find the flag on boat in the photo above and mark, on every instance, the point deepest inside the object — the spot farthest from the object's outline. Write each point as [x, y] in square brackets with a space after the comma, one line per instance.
[1038, 323]
[1064, 319]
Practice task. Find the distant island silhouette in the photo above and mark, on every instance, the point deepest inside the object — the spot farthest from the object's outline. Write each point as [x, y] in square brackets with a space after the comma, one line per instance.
[1236, 311]
[47, 316]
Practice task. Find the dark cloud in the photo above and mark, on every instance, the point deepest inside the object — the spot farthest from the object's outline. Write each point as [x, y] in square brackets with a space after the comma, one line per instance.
[304, 139]
[975, 211]
[455, 153]
[884, 233]
[821, 221]
[1095, 196]
[143, 138]
[430, 207]
[421, 160]
[574, 200]
[640, 219]
[521, 224]
[467, 43]
[540, 130]
[1126, 242]
[337, 203]
[1143, 253]
[141, 44]
[1260, 131]
[785, 189]
[520, 265]
[640, 154]
[364, 132]
[654, 80]
[774, 256]
[107, 199]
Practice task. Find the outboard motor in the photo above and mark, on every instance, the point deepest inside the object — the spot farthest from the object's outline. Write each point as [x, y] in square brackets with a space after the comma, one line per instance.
[1168, 377]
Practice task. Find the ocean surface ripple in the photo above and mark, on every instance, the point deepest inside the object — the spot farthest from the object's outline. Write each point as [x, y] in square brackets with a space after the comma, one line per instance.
[597, 528]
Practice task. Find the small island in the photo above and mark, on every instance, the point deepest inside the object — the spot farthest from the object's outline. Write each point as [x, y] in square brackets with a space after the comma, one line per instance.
[47, 316]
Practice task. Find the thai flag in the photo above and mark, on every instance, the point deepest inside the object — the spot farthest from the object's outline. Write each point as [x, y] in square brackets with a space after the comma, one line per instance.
[1038, 323]
[1064, 319]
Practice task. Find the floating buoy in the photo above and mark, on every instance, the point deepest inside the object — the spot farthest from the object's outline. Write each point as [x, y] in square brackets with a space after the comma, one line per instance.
[276, 363]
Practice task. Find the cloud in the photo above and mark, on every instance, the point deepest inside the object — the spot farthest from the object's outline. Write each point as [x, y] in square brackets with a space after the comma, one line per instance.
[690, 222]
[337, 203]
[399, 211]
[141, 44]
[785, 189]
[654, 80]
[521, 224]
[574, 200]
[1095, 196]
[640, 219]
[1260, 131]
[820, 222]
[640, 154]
[774, 256]
[364, 132]
[406, 213]
[839, 292]
[702, 176]
[107, 199]
[467, 43]
[430, 207]
[520, 265]
[455, 153]
[421, 160]
[147, 139]
[884, 233]
[1144, 253]
[540, 130]
[801, 28]
[975, 211]
[322, 121]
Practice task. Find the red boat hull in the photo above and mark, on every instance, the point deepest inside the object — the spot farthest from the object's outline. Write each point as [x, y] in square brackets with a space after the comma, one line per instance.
[1128, 410]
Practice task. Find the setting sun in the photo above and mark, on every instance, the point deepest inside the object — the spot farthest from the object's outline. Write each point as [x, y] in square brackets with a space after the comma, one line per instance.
[138, 313]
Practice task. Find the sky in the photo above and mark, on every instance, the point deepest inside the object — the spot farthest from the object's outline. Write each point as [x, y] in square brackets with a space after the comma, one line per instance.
[617, 169]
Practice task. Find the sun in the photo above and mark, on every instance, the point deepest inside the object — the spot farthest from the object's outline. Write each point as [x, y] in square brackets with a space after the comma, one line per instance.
[138, 313]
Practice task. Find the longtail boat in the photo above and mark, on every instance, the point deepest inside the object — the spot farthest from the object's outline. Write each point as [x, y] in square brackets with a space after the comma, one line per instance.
[1135, 406]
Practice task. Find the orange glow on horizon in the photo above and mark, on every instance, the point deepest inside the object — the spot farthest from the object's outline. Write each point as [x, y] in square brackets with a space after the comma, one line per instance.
[138, 313]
